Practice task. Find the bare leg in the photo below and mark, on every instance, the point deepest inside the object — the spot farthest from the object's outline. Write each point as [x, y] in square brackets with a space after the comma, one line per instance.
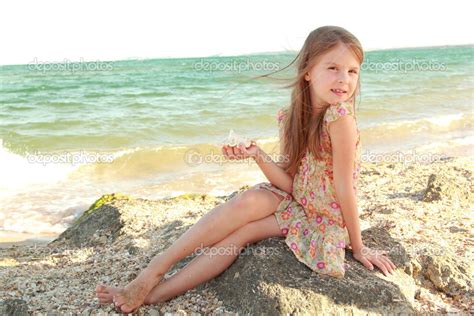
[214, 261]
[213, 227]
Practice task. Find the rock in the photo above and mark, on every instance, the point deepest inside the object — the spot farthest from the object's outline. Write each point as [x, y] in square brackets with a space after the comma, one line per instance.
[446, 186]
[107, 198]
[277, 283]
[449, 273]
[190, 196]
[101, 219]
[13, 307]
[133, 250]
[433, 190]
[116, 214]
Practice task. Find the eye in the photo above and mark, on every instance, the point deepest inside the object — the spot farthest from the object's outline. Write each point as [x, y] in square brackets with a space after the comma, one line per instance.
[354, 71]
[332, 68]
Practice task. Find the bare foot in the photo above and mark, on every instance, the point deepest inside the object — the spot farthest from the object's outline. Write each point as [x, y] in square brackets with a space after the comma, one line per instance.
[105, 294]
[133, 295]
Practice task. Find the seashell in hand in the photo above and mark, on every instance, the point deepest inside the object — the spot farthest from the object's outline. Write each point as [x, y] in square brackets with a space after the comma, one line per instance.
[235, 139]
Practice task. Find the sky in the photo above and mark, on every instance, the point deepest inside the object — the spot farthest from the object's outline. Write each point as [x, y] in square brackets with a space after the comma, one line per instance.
[55, 31]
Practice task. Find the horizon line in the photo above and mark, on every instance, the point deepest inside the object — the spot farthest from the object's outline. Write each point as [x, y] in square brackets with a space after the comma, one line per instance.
[239, 55]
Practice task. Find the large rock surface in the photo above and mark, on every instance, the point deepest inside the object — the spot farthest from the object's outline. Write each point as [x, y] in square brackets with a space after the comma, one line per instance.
[268, 279]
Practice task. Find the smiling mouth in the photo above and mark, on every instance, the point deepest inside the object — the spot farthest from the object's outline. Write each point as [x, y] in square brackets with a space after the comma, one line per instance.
[338, 91]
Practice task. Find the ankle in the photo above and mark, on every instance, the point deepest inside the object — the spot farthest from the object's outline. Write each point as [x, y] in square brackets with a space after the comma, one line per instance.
[153, 300]
[149, 274]
[158, 265]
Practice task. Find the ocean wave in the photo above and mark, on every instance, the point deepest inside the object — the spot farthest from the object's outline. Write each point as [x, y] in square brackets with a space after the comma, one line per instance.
[435, 124]
[126, 164]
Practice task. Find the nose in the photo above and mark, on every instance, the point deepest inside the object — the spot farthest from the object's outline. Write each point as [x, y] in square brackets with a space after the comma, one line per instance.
[343, 77]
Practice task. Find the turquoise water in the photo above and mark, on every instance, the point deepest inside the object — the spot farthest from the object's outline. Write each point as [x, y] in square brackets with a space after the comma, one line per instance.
[142, 118]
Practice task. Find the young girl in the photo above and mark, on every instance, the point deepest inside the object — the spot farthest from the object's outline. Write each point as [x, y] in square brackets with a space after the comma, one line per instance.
[310, 199]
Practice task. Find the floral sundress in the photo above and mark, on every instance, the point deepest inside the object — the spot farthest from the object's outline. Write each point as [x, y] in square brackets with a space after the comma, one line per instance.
[310, 218]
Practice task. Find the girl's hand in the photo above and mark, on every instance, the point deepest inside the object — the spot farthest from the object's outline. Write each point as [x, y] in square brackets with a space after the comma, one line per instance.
[239, 151]
[368, 257]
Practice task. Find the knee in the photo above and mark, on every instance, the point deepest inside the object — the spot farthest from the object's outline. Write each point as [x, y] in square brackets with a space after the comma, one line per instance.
[247, 199]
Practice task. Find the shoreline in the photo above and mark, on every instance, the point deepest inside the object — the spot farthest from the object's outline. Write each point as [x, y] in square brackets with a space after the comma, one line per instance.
[12, 238]
[9, 239]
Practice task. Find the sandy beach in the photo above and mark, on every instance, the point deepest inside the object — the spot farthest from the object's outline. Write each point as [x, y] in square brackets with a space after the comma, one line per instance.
[424, 207]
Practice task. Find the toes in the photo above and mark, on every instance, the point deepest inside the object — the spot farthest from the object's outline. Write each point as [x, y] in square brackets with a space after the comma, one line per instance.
[126, 308]
[104, 296]
[101, 288]
[119, 300]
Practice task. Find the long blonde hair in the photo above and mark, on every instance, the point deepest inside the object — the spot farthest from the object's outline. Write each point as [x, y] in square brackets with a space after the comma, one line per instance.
[300, 125]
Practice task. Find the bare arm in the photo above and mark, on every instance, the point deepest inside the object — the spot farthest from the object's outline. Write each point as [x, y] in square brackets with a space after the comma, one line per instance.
[343, 133]
[274, 172]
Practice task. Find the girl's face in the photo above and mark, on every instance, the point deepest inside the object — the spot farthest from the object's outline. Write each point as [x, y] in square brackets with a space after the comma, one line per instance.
[334, 77]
